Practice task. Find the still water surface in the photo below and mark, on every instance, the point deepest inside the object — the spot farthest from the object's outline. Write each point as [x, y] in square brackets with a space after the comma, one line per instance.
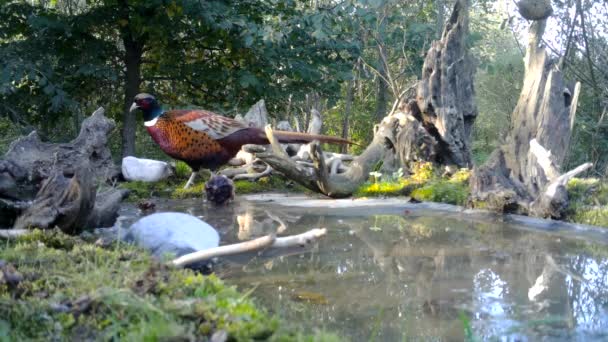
[396, 274]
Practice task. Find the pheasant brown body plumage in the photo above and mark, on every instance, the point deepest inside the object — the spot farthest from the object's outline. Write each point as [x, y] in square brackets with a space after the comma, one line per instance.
[203, 139]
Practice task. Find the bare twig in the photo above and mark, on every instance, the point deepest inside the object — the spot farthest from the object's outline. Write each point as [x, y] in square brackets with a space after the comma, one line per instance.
[269, 241]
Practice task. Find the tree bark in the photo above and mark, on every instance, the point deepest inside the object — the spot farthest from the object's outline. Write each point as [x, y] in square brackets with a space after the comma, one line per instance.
[382, 86]
[348, 106]
[446, 94]
[133, 56]
[133, 59]
[523, 175]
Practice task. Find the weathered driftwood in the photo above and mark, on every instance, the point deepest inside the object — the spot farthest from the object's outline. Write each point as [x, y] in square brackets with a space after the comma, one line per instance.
[45, 185]
[524, 174]
[268, 241]
[40, 159]
[66, 203]
[249, 169]
[435, 126]
[320, 179]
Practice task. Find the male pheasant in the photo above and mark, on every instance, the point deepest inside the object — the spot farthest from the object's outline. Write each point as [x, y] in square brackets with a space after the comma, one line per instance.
[203, 139]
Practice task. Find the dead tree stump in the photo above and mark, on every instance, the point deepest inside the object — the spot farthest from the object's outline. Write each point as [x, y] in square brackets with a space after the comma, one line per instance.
[524, 175]
[446, 94]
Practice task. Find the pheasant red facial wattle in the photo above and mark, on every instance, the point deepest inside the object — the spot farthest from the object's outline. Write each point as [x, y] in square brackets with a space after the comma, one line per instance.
[203, 139]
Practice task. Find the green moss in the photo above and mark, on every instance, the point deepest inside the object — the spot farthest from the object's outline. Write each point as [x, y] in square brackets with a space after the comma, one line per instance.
[444, 191]
[84, 292]
[425, 184]
[422, 172]
[594, 215]
[197, 190]
[588, 201]
[400, 187]
[174, 187]
[267, 184]
[182, 170]
[144, 190]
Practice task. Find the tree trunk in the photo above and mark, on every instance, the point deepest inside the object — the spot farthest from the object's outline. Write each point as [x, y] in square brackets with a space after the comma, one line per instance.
[348, 107]
[133, 54]
[523, 175]
[439, 7]
[134, 49]
[446, 95]
[382, 87]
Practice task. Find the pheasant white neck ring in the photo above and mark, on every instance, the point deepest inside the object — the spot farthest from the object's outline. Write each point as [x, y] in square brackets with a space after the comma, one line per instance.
[151, 123]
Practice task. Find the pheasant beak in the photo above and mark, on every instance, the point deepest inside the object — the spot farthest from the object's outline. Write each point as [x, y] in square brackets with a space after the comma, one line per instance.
[134, 106]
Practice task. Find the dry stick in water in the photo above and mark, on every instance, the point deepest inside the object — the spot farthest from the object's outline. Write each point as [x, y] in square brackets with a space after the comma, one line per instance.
[249, 246]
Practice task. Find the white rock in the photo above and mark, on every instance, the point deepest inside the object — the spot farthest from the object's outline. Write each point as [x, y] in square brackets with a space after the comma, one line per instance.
[172, 233]
[146, 170]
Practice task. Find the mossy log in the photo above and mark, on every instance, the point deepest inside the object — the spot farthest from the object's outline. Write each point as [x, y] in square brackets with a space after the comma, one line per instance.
[523, 175]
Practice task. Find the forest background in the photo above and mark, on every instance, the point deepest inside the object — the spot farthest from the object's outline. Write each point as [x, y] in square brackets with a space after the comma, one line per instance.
[350, 60]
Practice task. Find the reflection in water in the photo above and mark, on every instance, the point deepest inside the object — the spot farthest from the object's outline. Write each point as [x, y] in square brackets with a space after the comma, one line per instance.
[396, 277]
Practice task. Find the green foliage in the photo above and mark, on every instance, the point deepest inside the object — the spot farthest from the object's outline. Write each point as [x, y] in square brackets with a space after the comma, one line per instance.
[9, 132]
[443, 191]
[588, 201]
[85, 292]
[498, 82]
[60, 60]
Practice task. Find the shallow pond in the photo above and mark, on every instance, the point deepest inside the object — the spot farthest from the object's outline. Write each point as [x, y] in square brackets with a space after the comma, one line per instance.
[399, 272]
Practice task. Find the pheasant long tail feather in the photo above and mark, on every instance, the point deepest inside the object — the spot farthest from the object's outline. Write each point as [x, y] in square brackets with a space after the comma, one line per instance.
[296, 137]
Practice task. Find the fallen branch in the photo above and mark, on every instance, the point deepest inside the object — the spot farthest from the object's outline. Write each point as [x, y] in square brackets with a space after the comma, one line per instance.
[563, 179]
[334, 185]
[268, 241]
[237, 248]
[300, 240]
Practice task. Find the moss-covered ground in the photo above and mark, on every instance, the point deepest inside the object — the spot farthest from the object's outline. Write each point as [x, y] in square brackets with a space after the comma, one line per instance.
[55, 287]
[588, 196]
[173, 187]
[588, 201]
[424, 184]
